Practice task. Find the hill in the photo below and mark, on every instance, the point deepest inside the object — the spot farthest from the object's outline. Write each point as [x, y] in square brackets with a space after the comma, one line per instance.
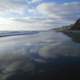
[72, 31]
[72, 27]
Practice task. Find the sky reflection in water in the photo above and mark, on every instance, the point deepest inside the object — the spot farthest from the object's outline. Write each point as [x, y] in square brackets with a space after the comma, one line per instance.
[30, 52]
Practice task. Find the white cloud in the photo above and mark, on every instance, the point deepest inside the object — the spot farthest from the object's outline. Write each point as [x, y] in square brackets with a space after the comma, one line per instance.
[45, 7]
[23, 24]
[56, 10]
[34, 1]
[9, 9]
[44, 16]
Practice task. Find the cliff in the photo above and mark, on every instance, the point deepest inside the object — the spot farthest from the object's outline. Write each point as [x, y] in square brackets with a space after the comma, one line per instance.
[76, 25]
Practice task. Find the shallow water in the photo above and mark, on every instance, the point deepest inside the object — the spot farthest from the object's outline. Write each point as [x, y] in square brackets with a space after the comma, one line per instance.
[40, 56]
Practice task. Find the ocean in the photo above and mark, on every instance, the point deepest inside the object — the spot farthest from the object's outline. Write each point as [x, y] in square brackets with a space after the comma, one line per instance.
[38, 55]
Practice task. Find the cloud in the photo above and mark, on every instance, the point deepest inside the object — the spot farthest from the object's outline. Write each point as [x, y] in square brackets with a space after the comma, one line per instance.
[33, 1]
[10, 9]
[45, 15]
[21, 8]
[64, 11]
[24, 24]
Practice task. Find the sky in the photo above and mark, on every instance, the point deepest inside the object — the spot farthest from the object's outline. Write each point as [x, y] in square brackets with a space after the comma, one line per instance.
[37, 14]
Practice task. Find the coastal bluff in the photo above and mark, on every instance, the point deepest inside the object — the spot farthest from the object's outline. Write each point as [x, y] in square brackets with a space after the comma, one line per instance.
[76, 25]
[72, 31]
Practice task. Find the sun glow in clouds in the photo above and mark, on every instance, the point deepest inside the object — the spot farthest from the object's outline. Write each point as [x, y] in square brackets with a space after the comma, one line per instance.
[23, 24]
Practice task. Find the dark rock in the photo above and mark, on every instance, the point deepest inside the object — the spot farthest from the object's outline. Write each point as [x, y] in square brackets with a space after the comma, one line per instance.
[76, 26]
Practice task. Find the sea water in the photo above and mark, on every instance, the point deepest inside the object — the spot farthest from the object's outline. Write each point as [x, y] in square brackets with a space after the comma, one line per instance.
[38, 55]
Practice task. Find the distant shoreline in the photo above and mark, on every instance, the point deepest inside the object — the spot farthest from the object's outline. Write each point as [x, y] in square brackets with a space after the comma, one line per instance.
[15, 33]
